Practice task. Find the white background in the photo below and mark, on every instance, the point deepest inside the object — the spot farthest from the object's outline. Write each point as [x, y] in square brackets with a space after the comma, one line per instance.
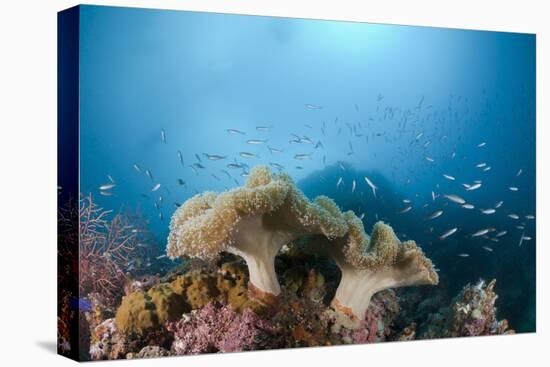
[28, 182]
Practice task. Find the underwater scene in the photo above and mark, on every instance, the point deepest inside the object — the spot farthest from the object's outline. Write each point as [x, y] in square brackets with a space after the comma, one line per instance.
[250, 183]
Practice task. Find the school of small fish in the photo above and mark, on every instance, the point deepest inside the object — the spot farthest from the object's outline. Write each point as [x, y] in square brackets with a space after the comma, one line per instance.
[307, 146]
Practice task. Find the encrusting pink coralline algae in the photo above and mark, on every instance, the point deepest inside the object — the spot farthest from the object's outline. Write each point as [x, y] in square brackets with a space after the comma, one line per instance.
[217, 328]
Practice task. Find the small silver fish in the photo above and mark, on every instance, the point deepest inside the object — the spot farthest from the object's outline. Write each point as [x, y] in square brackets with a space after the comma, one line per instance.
[214, 157]
[362, 216]
[513, 188]
[448, 177]
[107, 186]
[340, 181]
[499, 204]
[481, 232]
[163, 135]
[248, 155]
[429, 159]
[161, 257]
[467, 206]
[513, 216]
[407, 209]
[353, 183]
[310, 106]
[277, 165]
[530, 216]
[180, 156]
[235, 131]
[137, 168]
[433, 196]
[448, 233]
[111, 179]
[519, 172]
[501, 233]
[274, 150]
[264, 128]
[406, 201]
[435, 214]
[156, 187]
[106, 193]
[301, 157]
[487, 248]
[455, 198]
[473, 187]
[488, 168]
[481, 144]
[481, 165]
[488, 211]
[372, 185]
[463, 255]
[234, 166]
[256, 141]
[419, 135]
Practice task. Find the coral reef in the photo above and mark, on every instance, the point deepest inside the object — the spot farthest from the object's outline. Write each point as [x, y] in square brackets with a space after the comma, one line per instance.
[218, 328]
[269, 212]
[304, 317]
[336, 282]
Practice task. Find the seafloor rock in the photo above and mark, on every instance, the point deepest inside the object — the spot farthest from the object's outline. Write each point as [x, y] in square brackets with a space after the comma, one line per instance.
[218, 328]
[471, 313]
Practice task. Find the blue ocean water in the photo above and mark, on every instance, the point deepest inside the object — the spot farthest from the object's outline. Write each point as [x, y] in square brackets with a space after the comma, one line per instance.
[328, 103]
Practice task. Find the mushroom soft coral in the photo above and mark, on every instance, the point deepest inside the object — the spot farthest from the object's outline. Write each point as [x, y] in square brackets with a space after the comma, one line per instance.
[254, 222]
[370, 265]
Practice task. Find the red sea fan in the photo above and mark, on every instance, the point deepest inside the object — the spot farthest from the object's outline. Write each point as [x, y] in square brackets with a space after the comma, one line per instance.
[106, 250]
